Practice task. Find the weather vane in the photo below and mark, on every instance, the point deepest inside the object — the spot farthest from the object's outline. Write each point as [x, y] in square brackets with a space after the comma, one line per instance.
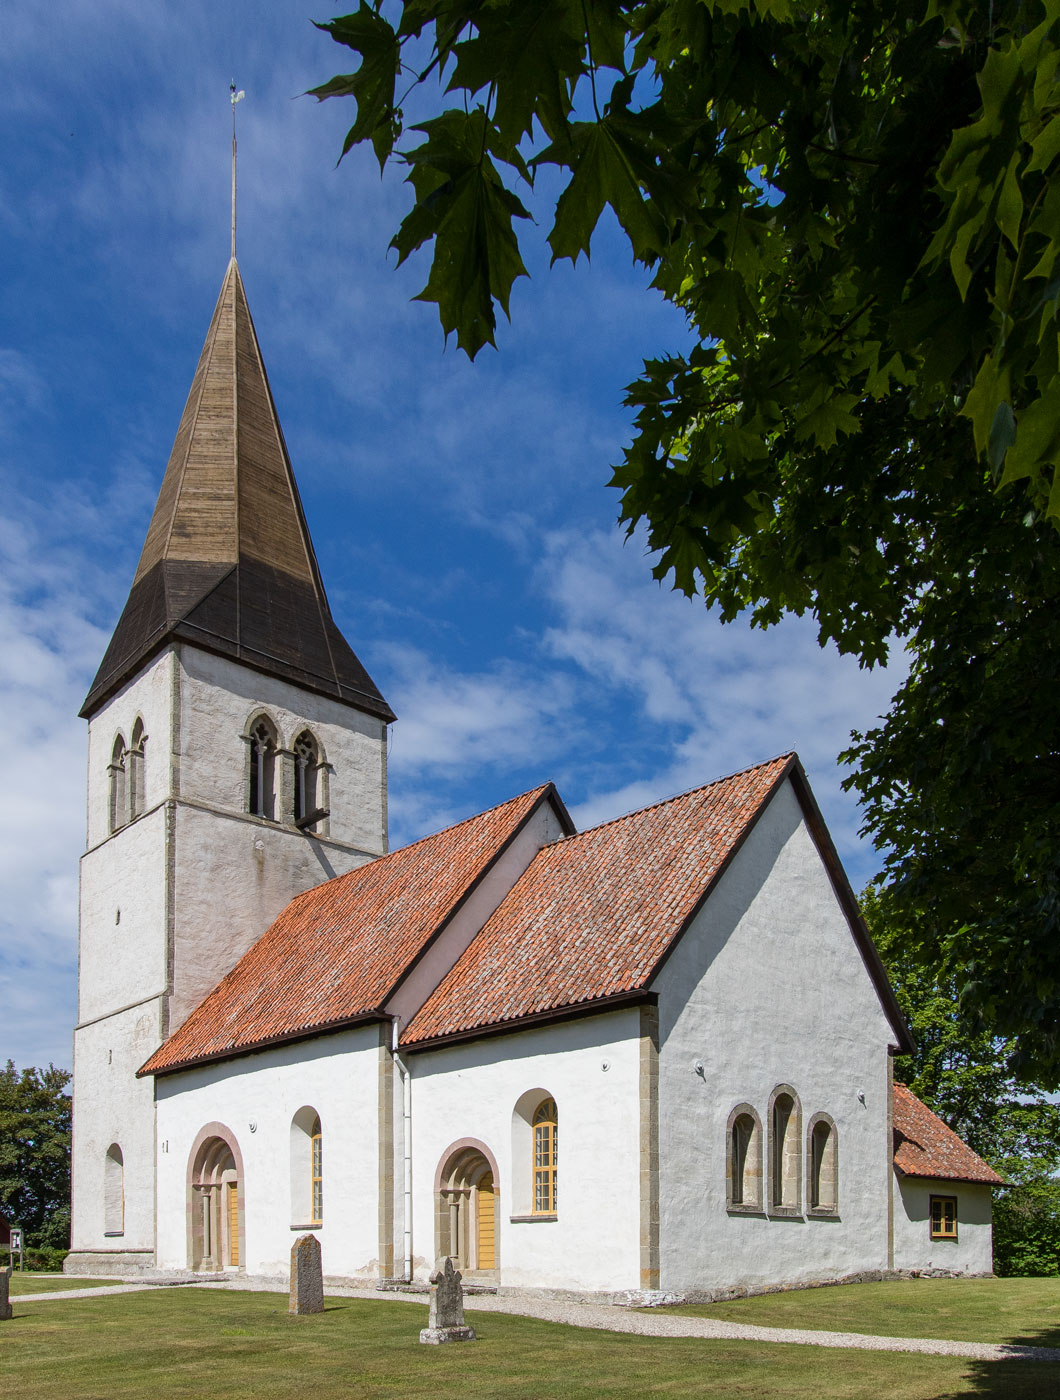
[236, 97]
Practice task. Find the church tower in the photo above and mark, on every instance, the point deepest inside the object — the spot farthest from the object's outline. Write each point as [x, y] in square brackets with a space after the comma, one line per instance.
[236, 757]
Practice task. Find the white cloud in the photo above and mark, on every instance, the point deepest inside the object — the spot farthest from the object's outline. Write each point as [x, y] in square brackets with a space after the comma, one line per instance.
[48, 649]
[726, 695]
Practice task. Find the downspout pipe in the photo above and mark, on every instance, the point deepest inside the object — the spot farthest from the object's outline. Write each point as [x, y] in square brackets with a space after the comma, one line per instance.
[406, 1143]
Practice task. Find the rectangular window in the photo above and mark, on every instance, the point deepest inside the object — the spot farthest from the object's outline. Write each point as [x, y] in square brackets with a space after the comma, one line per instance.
[318, 1180]
[544, 1169]
[944, 1217]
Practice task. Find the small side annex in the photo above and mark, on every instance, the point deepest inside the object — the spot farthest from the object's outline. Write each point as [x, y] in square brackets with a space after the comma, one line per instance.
[942, 1194]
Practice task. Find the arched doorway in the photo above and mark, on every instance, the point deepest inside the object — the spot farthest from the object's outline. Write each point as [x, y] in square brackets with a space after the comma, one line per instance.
[466, 1209]
[215, 1202]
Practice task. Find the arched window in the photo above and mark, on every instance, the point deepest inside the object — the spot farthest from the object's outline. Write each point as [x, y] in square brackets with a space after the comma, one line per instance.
[546, 1133]
[134, 764]
[116, 772]
[307, 1169]
[744, 1159]
[113, 1191]
[261, 796]
[784, 1150]
[822, 1163]
[306, 768]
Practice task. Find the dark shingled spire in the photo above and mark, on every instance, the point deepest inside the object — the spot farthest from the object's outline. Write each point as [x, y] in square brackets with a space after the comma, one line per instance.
[228, 564]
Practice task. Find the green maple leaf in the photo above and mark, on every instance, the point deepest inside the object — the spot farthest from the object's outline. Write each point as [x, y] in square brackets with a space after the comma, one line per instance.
[372, 86]
[464, 206]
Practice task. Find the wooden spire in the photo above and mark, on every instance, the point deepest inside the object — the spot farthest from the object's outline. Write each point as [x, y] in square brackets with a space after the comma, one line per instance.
[228, 563]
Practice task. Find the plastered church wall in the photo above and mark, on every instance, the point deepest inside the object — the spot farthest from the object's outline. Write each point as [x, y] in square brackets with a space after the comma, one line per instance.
[218, 700]
[767, 987]
[971, 1252]
[471, 1091]
[171, 900]
[256, 1098]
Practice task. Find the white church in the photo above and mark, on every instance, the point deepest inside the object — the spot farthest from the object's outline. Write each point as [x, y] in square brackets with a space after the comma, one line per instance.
[655, 1055]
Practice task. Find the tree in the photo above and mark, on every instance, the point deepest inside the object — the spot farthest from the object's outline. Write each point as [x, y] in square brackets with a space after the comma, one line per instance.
[960, 1071]
[35, 1153]
[856, 205]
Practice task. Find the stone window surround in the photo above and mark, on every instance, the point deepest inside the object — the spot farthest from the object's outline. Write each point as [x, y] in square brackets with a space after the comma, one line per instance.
[822, 1212]
[792, 1135]
[284, 759]
[747, 1207]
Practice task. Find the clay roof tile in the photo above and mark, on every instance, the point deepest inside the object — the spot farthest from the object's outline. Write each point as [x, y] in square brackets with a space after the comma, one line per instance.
[925, 1146]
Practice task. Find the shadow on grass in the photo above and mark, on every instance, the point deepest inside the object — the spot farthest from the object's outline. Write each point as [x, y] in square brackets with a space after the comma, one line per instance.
[1014, 1380]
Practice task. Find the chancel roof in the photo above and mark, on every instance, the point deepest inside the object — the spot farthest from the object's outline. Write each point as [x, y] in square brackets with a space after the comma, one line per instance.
[228, 563]
[925, 1146]
[594, 914]
[337, 952]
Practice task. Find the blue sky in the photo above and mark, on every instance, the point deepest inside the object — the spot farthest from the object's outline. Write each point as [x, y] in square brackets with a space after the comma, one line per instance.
[460, 512]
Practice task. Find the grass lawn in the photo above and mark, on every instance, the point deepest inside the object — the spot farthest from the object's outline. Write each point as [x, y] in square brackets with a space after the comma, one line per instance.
[53, 1283]
[1024, 1310]
[196, 1344]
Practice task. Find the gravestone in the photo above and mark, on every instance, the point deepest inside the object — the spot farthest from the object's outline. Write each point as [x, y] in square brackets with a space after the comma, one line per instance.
[5, 1286]
[446, 1322]
[307, 1276]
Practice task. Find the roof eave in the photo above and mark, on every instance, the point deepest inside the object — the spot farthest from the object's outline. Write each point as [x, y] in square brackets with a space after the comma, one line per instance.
[177, 632]
[597, 1006]
[268, 1043]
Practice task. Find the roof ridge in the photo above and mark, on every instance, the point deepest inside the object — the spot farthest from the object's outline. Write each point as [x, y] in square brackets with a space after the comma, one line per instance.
[431, 836]
[676, 796]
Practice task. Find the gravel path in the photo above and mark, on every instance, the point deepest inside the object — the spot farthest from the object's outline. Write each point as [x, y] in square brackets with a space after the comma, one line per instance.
[605, 1318]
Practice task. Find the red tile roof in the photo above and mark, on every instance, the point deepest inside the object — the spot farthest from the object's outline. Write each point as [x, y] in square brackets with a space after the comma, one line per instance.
[336, 952]
[594, 913]
[924, 1146]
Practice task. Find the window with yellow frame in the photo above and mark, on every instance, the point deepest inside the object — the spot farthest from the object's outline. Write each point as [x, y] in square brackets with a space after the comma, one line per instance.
[944, 1217]
[317, 1174]
[545, 1142]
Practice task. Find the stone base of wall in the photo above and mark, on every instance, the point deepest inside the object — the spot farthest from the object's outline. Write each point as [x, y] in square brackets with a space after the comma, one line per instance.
[723, 1295]
[127, 1262]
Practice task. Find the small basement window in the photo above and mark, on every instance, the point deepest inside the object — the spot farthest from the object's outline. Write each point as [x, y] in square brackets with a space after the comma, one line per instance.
[944, 1217]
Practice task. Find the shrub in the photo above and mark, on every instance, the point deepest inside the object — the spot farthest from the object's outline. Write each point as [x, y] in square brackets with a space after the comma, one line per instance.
[1027, 1230]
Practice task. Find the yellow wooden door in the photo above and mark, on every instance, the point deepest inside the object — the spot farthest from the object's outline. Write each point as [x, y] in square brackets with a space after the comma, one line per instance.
[487, 1223]
[233, 1224]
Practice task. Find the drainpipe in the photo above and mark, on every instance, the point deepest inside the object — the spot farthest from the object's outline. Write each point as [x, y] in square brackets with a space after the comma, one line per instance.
[406, 1143]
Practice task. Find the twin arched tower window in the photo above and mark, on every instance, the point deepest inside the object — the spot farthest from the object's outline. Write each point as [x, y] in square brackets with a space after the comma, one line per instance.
[285, 785]
[127, 777]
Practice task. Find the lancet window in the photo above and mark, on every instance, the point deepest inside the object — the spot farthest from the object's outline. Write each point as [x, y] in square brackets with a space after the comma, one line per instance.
[134, 766]
[306, 774]
[261, 795]
[117, 776]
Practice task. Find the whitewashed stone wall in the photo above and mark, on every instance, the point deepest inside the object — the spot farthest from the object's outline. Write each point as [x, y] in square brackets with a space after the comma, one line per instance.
[970, 1253]
[768, 987]
[112, 1106]
[471, 1091]
[218, 700]
[256, 1097]
[171, 900]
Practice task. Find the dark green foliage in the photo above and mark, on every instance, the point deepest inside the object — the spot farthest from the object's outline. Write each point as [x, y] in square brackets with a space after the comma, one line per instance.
[35, 1154]
[960, 1068]
[856, 204]
[1027, 1231]
[961, 1071]
[961, 782]
[848, 199]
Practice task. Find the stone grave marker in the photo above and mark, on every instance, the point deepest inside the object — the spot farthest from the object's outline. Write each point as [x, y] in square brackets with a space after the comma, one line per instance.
[446, 1322]
[307, 1276]
[5, 1286]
